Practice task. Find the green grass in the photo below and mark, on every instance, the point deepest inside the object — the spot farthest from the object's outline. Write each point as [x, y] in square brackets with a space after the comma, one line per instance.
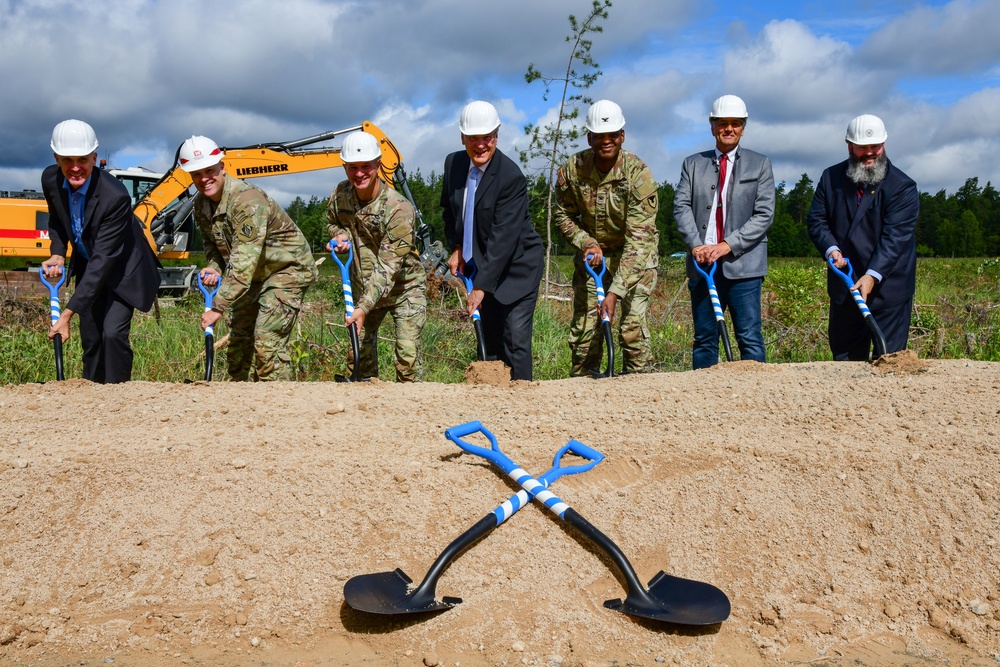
[957, 315]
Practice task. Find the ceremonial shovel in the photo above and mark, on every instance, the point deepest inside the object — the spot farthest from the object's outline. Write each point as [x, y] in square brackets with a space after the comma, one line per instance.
[209, 331]
[713, 294]
[345, 279]
[605, 320]
[55, 310]
[847, 277]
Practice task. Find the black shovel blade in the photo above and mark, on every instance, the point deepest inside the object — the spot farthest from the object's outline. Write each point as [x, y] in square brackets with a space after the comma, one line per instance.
[389, 593]
[676, 600]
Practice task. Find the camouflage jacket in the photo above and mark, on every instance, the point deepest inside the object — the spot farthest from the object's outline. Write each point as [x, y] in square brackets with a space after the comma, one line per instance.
[616, 211]
[250, 239]
[384, 240]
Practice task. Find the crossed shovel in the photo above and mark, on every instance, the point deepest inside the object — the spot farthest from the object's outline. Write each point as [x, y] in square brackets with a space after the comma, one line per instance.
[668, 598]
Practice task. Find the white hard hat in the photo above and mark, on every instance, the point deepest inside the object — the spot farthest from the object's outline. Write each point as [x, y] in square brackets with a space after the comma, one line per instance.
[478, 118]
[866, 130]
[199, 152]
[728, 106]
[604, 116]
[360, 147]
[73, 138]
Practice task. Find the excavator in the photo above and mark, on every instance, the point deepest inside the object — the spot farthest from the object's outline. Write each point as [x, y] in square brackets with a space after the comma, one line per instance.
[163, 203]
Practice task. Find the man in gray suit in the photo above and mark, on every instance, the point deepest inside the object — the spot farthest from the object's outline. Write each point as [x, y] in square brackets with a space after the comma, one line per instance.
[723, 208]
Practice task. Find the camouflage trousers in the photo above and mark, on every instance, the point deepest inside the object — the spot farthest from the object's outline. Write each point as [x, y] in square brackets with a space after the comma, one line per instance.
[259, 329]
[586, 337]
[408, 308]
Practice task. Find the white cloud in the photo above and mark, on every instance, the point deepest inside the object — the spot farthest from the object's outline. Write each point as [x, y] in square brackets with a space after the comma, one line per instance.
[959, 37]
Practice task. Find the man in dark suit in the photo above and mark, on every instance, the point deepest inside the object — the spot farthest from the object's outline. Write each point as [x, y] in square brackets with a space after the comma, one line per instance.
[114, 266]
[486, 220]
[865, 209]
[723, 208]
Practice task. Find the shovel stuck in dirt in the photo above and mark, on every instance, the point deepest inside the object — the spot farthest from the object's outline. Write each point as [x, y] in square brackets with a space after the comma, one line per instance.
[352, 331]
[670, 599]
[209, 331]
[56, 310]
[477, 324]
[848, 278]
[390, 593]
[598, 277]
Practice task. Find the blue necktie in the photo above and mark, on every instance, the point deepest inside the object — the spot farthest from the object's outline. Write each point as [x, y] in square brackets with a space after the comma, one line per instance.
[76, 204]
[470, 205]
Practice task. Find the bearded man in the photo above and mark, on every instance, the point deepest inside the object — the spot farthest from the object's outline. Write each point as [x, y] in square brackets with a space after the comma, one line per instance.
[865, 209]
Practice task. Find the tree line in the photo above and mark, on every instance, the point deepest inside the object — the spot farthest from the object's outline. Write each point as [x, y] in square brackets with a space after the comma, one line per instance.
[965, 223]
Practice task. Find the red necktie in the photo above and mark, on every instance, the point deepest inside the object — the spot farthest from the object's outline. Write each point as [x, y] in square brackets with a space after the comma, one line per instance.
[720, 230]
[861, 193]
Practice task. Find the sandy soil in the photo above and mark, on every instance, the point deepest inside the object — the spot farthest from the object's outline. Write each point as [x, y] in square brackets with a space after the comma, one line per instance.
[850, 512]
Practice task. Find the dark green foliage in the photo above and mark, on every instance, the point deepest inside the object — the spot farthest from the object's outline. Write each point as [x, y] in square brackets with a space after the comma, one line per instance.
[311, 219]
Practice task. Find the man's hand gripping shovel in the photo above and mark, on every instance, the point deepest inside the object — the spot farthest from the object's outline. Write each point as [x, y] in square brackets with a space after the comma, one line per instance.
[848, 278]
[352, 331]
[605, 320]
[713, 294]
[670, 599]
[56, 310]
[390, 592]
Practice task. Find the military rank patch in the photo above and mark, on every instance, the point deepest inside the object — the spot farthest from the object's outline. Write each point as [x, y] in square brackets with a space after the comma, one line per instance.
[651, 202]
[560, 180]
[246, 232]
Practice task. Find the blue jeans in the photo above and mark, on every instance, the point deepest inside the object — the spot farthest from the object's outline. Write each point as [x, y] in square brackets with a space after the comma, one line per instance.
[742, 299]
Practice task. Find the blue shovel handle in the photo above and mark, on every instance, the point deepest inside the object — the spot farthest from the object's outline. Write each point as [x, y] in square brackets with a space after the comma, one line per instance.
[55, 309]
[467, 276]
[598, 277]
[345, 274]
[209, 295]
[531, 485]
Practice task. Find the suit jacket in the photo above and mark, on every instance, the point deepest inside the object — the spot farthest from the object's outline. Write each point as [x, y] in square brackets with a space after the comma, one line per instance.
[750, 202]
[507, 250]
[877, 234]
[121, 259]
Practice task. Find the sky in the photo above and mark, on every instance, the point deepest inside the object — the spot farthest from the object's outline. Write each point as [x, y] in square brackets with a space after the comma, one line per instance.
[147, 74]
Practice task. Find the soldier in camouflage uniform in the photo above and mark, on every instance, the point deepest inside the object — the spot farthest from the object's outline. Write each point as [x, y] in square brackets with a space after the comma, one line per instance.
[264, 259]
[386, 272]
[606, 205]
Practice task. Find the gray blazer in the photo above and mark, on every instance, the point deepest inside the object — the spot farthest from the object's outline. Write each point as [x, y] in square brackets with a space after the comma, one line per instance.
[749, 204]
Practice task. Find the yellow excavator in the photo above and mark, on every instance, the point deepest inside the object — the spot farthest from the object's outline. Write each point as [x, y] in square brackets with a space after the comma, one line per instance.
[163, 202]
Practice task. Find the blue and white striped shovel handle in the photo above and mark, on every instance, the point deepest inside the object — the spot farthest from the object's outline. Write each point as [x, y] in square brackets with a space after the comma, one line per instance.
[55, 309]
[467, 276]
[531, 486]
[713, 293]
[209, 295]
[598, 282]
[345, 275]
[848, 278]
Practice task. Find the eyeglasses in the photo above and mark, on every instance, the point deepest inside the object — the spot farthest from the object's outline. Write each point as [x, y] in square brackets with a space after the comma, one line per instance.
[729, 122]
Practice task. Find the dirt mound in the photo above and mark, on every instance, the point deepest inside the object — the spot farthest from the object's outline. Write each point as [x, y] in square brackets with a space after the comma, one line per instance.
[493, 373]
[851, 515]
[904, 361]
